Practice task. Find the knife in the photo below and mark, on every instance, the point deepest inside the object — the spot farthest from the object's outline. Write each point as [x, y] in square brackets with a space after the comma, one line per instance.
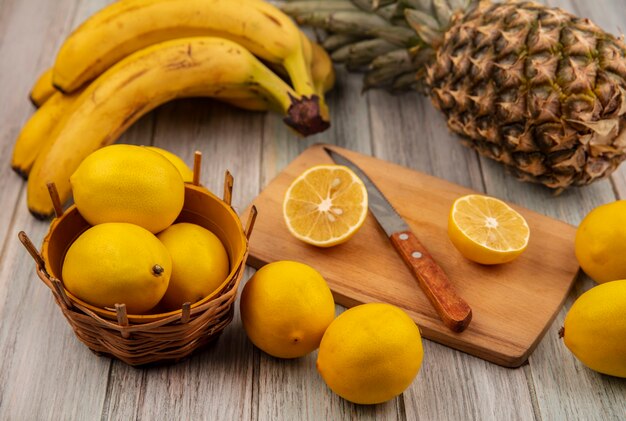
[455, 313]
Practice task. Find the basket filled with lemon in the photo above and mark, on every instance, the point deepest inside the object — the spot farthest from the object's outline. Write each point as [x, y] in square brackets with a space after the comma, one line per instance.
[146, 263]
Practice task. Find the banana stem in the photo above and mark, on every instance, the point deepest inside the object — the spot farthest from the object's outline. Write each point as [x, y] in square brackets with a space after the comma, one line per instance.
[302, 113]
[297, 65]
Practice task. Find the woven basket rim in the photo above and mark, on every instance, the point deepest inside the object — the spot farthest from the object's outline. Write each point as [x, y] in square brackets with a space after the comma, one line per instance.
[181, 332]
[48, 277]
[170, 317]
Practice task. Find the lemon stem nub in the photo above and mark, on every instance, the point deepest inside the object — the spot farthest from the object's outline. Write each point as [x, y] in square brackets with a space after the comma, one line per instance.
[561, 332]
[157, 270]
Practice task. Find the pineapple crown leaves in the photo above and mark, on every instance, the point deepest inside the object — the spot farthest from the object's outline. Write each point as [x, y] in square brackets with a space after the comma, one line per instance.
[431, 18]
[534, 87]
[393, 40]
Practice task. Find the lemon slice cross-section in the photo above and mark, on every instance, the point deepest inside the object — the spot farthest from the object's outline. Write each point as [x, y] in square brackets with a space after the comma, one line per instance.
[326, 205]
[487, 230]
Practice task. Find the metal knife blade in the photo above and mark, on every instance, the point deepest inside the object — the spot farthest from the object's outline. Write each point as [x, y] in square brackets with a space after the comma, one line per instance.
[452, 309]
[388, 218]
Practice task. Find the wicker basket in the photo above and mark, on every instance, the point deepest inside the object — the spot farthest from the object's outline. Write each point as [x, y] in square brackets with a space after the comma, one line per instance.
[159, 337]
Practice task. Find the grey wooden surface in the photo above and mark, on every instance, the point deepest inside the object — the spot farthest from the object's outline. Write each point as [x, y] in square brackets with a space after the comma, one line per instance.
[46, 373]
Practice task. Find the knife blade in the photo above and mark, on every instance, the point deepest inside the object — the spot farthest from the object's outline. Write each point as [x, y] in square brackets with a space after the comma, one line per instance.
[452, 309]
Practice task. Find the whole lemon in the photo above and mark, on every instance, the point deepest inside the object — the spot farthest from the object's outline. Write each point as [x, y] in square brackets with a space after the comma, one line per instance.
[285, 309]
[601, 242]
[117, 263]
[199, 263]
[180, 165]
[370, 353]
[128, 183]
[595, 328]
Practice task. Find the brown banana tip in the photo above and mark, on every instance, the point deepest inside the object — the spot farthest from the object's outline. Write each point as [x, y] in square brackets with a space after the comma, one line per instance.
[561, 332]
[21, 172]
[304, 115]
[40, 215]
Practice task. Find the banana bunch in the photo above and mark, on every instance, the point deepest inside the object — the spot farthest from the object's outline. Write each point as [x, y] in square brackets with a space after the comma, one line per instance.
[135, 55]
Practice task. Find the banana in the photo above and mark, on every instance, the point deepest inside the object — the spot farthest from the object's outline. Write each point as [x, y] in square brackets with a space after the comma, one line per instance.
[323, 74]
[322, 69]
[127, 26]
[35, 132]
[201, 66]
[37, 129]
[253, 103]
[42, 90]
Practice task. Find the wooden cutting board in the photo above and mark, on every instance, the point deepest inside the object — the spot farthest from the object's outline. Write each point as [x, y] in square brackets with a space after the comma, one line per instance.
[513, 304]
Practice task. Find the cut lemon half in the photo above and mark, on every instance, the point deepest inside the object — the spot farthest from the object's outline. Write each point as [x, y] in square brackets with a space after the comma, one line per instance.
[487, 230]
[326, 205]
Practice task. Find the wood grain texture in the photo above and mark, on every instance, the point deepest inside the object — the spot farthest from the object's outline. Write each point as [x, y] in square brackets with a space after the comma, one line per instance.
[453, 310]
[451, 385]
[512, 303]
[224, 370]
[288, 387]
[298, 389]
[23, 49]
[39, 344]
[561, 382]
[35, 339]
[45, 373]
[619, 181]
[409, 131]
[349, 128]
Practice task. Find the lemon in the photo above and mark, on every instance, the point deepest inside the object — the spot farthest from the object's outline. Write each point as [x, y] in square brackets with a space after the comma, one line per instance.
[199, 263]
[285, 309]
[180, 165]
[326, 205]
[370, 353]
[487, 230]
[127, 183]
[117, 263]
[600, 243]
[595, 328]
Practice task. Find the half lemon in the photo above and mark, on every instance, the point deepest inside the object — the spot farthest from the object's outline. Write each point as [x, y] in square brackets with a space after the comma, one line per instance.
[326, 205]
[487, 230]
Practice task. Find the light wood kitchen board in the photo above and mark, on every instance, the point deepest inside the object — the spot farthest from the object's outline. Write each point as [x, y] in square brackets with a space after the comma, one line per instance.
[513, 304]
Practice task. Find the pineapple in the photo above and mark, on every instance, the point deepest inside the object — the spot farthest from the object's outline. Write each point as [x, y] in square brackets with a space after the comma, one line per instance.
[536, 88]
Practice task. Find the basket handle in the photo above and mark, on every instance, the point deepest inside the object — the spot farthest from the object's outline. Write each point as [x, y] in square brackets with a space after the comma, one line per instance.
[32, 250]
[54, 284]
[228, 187]
[250, 222]
[186, 312]
[122, 319]
[56, 201]
[228, 178]
[197, 164]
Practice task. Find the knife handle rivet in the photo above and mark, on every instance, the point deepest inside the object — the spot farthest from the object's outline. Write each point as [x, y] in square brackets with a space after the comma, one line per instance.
[416, 255]
[403, 237]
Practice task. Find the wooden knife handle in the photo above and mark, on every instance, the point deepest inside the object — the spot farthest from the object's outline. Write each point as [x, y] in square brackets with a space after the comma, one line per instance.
[453, 310]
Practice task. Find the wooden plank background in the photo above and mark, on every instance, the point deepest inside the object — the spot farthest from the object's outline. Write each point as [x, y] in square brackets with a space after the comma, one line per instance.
[45, 373]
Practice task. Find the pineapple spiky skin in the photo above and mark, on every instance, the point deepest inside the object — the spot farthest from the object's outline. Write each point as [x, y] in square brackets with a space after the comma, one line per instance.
[536, 88]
